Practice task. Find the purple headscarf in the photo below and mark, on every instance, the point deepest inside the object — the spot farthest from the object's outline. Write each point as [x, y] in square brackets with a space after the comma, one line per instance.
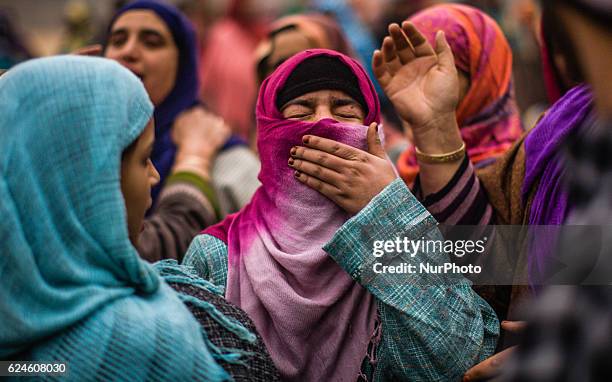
[543, 163]
[315, 320]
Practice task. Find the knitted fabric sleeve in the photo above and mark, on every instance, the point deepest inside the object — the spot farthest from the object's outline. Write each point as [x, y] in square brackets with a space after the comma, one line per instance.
[433, 328]
[463, 201]
[208, 256]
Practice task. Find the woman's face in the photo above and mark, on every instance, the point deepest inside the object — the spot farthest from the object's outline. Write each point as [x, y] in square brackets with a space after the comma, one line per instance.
[334, 104]
[138, 176]
[142, 42]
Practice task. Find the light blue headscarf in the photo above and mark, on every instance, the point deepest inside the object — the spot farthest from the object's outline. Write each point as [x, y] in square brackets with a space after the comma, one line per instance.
[72, 287]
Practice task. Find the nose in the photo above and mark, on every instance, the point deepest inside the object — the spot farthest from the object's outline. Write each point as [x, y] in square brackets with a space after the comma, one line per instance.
[322, 112]
[130, 51]
[154, 174]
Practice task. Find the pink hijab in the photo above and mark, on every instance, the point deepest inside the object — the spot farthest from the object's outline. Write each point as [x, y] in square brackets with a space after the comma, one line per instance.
[315, 320]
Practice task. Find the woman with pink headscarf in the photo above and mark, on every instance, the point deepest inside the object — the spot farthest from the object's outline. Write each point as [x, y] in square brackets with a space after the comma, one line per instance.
[307, 264]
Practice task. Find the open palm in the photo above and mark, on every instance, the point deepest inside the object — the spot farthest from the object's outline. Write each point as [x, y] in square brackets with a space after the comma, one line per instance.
[421, 82]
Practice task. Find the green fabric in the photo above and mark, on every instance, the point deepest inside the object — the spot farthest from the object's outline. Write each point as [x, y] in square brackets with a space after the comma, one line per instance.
[73, 287]
[429, 333]
[200, 184]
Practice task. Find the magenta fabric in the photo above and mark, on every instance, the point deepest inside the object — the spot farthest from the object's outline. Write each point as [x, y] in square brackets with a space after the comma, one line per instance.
[315, 320]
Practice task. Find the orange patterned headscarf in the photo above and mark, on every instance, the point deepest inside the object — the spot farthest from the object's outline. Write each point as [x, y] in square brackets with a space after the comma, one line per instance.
[488, 117]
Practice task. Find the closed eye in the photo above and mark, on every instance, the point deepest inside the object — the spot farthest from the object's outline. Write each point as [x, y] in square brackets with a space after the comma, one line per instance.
[298, 108]
[298, 115]
[349, 111]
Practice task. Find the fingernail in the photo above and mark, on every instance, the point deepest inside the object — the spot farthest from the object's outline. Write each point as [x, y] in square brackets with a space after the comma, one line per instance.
[377, 127]
[296, 174]
[293, 150]
[306, 139]
[290, 161]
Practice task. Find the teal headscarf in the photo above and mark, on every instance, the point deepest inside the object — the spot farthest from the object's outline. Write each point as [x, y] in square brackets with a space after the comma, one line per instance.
[72, 286]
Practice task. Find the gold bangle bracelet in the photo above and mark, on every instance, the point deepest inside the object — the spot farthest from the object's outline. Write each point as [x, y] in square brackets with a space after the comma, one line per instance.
[441, 158]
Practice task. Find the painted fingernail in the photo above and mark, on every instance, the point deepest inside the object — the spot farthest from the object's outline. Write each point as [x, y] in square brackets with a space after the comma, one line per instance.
[290, 161]
[293, 150]
[306, 139]
[296, 174]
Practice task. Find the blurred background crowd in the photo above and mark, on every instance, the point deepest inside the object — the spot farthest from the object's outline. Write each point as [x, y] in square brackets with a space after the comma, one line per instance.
[229, 32]
[240, 42]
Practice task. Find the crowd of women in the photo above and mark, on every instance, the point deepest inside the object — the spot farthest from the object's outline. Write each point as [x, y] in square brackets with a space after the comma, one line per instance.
[143, 238]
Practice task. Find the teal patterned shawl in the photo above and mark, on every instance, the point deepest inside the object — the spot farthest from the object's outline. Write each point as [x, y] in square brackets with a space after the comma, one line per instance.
[73, 288]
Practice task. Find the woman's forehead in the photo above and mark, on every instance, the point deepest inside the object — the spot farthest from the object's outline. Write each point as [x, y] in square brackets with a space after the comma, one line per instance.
[139, 19]
[326, 95]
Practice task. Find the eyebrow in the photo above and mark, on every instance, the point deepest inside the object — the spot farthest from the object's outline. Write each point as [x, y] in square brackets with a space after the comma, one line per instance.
[307, 102]
[338, 102]
[150, 32]
[144, 31]
[118, 31]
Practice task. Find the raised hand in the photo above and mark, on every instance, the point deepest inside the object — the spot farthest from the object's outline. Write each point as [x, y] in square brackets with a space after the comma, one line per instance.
[200, 130]
[420, 81]
[198, 135]
[423, 85]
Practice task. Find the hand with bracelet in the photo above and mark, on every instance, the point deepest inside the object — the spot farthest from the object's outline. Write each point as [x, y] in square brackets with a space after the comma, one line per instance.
[423, 85]
[198, 135]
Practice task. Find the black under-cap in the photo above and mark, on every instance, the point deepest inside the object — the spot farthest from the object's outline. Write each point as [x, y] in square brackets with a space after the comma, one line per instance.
[320, 73]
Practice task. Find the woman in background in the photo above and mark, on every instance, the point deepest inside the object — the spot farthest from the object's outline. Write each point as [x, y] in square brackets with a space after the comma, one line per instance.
[228, 84]
[293, 34]
[167, 62]
[157, 43]
[487, 114]
[524, 187]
